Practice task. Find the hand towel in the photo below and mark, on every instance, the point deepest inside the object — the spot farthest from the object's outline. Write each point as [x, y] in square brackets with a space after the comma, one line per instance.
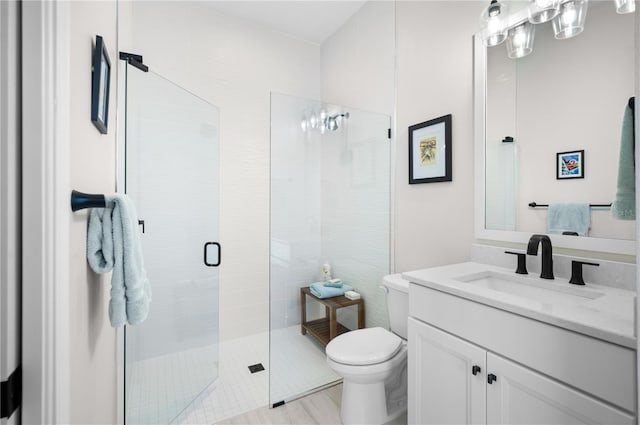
[624, 205]
[319, 290]
[113, 244]
[333, 283]
[569, 217]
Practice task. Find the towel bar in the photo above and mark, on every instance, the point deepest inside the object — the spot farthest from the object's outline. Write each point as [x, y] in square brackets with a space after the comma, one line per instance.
[81, 201]
[536, 205]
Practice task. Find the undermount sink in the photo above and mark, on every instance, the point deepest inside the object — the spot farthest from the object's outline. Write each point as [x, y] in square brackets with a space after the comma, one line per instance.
[529, 287]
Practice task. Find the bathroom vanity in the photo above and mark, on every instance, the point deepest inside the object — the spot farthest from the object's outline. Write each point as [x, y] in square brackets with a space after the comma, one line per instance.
[489, 346]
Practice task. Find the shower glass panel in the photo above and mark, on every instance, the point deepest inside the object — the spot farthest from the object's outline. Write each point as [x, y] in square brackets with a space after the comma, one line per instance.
[330, 194]
[172, 176]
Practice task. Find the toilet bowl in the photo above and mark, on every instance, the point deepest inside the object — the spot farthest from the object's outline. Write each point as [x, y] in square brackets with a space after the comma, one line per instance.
[373, 363]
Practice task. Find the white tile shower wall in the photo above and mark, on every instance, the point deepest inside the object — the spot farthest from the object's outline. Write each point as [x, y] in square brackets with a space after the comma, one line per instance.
[356, 181]
[355, 209]
[295, 207]
[609, 273]
[235, 65]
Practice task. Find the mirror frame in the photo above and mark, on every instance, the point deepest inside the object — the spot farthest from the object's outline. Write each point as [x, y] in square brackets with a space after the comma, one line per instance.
[613, 246]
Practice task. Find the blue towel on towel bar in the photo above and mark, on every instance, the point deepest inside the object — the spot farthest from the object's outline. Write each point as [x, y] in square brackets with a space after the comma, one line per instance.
[319, 290]
[569, 217]
[624, 205]
[113, 244]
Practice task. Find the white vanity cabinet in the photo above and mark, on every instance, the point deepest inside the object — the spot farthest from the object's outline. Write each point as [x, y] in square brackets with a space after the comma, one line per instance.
[544, 374]
[443, 388]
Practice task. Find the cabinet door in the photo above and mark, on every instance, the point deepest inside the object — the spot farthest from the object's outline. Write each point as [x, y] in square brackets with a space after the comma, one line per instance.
[522, 396]
[442, 386]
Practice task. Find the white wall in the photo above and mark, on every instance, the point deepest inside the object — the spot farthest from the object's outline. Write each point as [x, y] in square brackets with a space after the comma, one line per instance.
[358, 60]
[234, 65]
[93, 341]
[434, 222]
[10, 195]
[358, 71]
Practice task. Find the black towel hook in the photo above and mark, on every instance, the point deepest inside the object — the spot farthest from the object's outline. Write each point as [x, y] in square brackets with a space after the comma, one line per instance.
[81, 201]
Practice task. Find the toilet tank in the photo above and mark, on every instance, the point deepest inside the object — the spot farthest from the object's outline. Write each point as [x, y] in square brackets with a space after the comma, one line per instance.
[397, 290]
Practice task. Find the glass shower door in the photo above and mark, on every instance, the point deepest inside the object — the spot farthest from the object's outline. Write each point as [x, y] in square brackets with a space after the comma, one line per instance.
[171, 164]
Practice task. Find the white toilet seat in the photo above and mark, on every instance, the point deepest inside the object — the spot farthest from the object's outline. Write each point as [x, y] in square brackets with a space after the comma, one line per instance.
[364, 347]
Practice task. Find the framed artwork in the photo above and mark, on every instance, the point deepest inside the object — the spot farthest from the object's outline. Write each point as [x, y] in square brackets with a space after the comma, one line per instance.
[570, 165]
[101, 76]
[430, 151]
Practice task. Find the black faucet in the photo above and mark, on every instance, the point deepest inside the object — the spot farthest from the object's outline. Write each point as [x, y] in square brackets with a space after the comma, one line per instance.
[547, 254]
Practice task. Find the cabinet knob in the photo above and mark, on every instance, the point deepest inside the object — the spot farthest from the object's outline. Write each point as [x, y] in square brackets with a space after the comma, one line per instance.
[491, 378]
[475, 370]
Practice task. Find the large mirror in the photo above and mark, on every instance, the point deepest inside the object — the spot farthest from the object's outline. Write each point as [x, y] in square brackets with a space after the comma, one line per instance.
[566, 96]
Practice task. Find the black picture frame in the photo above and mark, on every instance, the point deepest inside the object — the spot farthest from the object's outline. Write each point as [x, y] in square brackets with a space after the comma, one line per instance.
[570, 165]
[100, 86]
[430, 151]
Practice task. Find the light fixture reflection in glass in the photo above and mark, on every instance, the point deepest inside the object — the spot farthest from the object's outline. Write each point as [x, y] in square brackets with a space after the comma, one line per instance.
[304, 124]
[520, 40]
[541, 11]
[493, 23]
[625, 6]
[570, 21]
[313, 121]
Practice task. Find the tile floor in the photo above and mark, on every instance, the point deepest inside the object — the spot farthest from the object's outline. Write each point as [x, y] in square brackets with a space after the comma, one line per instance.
[299, 366]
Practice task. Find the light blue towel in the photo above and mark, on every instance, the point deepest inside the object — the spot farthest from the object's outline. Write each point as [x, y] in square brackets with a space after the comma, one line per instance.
[569, 217]
[319, 290]
[337, 284]
[113, 245]
[624, 206]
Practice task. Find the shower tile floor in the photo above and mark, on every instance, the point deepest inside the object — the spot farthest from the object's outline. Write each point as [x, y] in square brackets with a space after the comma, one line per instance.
[299, 366]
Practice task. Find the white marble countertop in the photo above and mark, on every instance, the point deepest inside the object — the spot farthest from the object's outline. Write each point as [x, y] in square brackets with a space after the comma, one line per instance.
[608, 316]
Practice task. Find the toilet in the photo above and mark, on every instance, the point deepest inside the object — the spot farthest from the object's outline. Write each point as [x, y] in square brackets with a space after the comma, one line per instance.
[373, 363]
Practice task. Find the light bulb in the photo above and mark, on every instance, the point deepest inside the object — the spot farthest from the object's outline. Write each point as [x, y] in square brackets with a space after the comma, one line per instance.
[570, 21]
[493, 23]
[541, 11]
[520, 40]
[625, 6]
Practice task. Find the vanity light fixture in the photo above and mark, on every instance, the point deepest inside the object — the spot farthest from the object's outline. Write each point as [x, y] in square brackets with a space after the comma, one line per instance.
[625, 6]
[493, 23]
[541, 11]
[520, 40]
[570, 20]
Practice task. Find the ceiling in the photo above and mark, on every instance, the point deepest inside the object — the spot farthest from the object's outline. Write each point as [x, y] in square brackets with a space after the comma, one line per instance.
[312, 21]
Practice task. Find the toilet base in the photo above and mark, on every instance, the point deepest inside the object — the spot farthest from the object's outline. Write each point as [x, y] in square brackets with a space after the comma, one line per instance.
[377, 402]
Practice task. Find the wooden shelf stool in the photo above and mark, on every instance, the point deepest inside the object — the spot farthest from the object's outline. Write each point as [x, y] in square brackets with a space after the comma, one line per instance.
[327, 328]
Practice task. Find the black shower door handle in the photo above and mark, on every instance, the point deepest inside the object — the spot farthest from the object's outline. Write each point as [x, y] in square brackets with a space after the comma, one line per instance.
[206, 250]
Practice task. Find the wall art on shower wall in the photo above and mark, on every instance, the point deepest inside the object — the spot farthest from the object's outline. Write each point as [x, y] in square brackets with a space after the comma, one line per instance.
[570, 165]
[101, 76]
[430, 151]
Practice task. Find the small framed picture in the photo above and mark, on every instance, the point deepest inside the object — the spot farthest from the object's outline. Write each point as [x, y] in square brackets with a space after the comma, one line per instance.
[570, 165]
[101, 76]
[430, 151]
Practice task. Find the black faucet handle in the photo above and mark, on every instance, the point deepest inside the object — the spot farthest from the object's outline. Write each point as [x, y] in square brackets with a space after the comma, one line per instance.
[522, 261]
[576, 271]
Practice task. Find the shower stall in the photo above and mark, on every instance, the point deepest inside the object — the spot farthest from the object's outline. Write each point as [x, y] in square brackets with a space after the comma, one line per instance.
[171, 174]
[330, 203]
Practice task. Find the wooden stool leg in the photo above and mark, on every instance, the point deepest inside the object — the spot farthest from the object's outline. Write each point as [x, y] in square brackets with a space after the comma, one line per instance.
[303, 312]
[333, 323]
[361, 316]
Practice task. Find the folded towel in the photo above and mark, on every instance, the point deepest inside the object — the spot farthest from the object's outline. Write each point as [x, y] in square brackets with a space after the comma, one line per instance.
[569, 217]
[113, 245]
[624, 206]
[319, 290]
[333, 283]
